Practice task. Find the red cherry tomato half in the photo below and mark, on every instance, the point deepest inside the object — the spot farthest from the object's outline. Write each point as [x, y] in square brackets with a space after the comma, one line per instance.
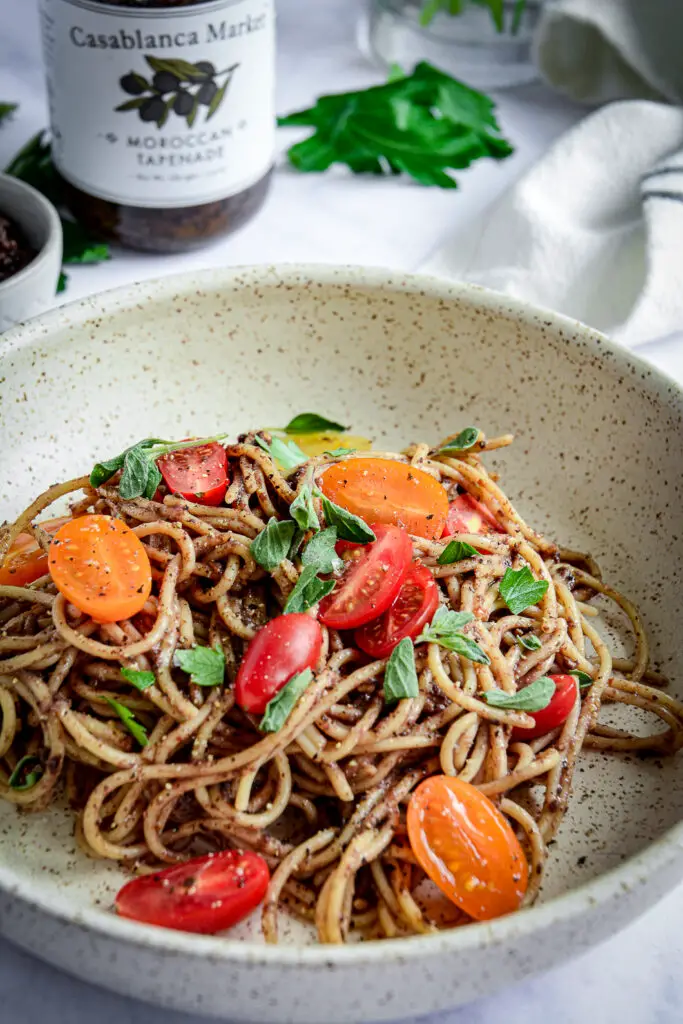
[26, 562]
[467, 515]
[413, 608]
[384, 491]
[555, 714]
[285, 646]
[199, 474]
[467, 847]
[205, 895]
[372, 580]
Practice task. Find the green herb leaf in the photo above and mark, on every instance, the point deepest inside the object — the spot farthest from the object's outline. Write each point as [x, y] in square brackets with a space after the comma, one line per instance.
[400, 675]
[140, 680]
[141, 475]
[206, 665]
[281, 706]
[424, 124]
[135, 728]
[456, 551]
[519, 589]
[62, 282]
[445, 630]
[583, 678]
[20, 773]
[308, 591]
[6, 111]
[302, 510]
[80, 246]
[272, 545]
[320, 552]
[312, 423]
[465, 440]
[136, 467]
[337, 453]
[445, 621]
[348, 526]
[286, 453]
[534, 697]
[530, 642]
[103, 471]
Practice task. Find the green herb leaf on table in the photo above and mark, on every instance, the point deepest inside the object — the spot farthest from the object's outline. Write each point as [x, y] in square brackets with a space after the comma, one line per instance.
[348, 526]
[583, 678]
[302, 510]
[456, 551]
[62, 283]
[534, 697]
[320, 552]
[79, 245]
[281, 706]
[338, 453]
[496, 9]
[530, 642]
[465, 440]
[205, 665]
[135, 728]
[400, 675]
[312, 423]
[20, 778]
[445, 630]
[308, 591]
[286, 453]
[424, 124]
[140, 680]
[273, 544]
[519, 589]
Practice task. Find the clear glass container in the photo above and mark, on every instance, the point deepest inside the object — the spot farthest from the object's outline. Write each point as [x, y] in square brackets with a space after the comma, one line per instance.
[467, 45]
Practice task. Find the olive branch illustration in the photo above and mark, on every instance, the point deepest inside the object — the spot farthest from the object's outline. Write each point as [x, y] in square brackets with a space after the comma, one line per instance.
[176, 86]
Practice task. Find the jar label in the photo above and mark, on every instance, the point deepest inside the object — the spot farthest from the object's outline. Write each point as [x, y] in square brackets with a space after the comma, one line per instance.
[161, 107]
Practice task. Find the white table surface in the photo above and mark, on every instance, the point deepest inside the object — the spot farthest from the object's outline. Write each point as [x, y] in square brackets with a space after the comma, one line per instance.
[635, 977]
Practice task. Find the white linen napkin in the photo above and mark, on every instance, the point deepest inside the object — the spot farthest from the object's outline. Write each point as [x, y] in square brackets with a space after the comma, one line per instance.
[594, 229]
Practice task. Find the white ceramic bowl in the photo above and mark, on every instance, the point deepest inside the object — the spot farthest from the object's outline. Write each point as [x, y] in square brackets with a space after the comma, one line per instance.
[598, 463]
[32, 290]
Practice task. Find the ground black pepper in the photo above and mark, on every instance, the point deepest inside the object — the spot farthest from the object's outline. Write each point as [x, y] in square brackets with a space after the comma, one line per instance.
[15, 251]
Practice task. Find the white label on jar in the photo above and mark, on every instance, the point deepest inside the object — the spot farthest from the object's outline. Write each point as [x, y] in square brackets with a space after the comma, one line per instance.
[161, 107]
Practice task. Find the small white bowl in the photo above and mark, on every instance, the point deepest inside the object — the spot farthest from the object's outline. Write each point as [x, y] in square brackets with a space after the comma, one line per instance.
[33, 289]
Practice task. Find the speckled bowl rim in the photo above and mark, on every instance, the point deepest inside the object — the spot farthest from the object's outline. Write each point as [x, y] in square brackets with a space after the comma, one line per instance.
[661, 854]
[54, 231]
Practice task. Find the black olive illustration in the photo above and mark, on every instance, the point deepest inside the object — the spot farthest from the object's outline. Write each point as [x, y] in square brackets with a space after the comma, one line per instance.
[165, 81]
[183, 103]
[206, 67]
[207, 92]
[132, 84]
[152, 109]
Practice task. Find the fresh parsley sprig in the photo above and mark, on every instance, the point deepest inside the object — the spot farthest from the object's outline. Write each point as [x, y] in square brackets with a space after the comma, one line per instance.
[141, 475]
[135, 728]
[445, 629]
[205, 665]
[140, 680]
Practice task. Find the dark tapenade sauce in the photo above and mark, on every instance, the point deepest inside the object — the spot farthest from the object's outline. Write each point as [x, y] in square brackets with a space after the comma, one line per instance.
[15, 251]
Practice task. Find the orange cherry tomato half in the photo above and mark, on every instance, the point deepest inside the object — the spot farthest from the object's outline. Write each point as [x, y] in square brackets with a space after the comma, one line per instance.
[467, 847]
[556, 713]
[203, 895]
[383, 491]
[199, 474]
[26, 561]
[467, 515]
[413, 608]
[101, 567]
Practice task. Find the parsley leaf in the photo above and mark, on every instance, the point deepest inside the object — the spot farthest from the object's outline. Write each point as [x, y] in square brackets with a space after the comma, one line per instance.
[312, 423]
[140, 680]
[135, 728]
[21, 778]
[456, 551]
[281, 706]
[309, 589]
[534, 697]
[337, 453]
[519, 589]
[445, 631]
[320, 552]
[287, 454]
[349, 527]
[271, 545]
[302, 510]
[465, 440]
[206, 665]
[530, 642]
[400, 675]
[423, 124]
[583, 678]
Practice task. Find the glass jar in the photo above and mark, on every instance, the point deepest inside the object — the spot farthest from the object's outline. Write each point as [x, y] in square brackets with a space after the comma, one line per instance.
[162, 115]
[467, 45]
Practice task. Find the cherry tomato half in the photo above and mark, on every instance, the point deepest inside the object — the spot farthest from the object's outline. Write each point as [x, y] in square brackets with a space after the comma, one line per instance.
[101, 567]
[371, 581]
[199, 474]
[282, 648]
[555, 714]
[205, 895]
[467, 515]
[467, 847]
[26, 562]
[384, 491]
[413, 608]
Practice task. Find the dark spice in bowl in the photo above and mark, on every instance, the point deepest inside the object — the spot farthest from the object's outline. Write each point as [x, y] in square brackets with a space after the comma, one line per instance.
[15, 251]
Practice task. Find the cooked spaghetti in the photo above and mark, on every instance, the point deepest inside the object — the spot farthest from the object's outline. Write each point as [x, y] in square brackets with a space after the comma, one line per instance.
[160, 772]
